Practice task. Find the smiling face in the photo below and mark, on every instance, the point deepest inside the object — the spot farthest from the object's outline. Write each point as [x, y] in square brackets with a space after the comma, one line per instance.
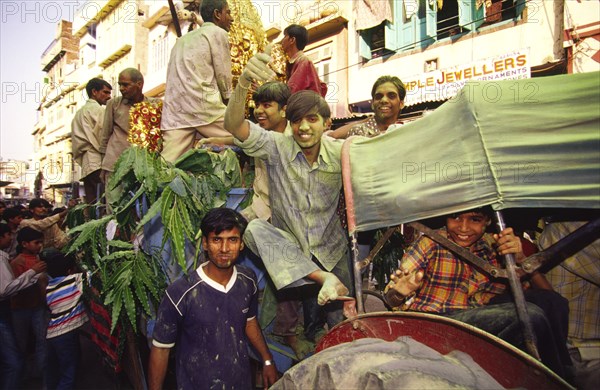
[466, 228]
[386, 103]
[308, 131]
[270, 116]
[223, 248]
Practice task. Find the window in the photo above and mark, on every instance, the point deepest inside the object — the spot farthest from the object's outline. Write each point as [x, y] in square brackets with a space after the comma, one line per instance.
[448, 23]
[160, 52]
[321, 58]
[11, 192]
[419, 23]
[373, 41]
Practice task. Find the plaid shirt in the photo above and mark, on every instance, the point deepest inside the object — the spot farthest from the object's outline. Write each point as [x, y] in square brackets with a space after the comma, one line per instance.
[449, 283]
[577, 279]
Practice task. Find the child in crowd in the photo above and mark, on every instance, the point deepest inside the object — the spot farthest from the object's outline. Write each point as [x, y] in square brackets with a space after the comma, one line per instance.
[11, 359]
[67, 314]
[13, 217]
[29, 312]
[433, 279]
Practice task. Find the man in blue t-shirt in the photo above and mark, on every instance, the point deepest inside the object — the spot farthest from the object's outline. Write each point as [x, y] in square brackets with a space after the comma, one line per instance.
[211, 315]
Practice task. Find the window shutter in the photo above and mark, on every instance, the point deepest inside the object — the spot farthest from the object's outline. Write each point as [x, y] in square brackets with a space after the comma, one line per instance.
[391, 29]
[391, 36]
[519, 7]
[431, 19]
[407, 28]
[469, 16]
[364, 44]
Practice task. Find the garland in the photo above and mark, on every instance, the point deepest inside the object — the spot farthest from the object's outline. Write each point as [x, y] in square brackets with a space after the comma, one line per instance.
[144, 125]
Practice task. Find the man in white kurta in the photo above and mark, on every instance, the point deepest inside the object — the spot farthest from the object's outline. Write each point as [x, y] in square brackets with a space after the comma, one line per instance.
[198, 82]
[86, 129]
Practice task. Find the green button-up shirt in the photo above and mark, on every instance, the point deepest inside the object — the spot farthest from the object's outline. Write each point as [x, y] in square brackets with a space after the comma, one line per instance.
[303, 198]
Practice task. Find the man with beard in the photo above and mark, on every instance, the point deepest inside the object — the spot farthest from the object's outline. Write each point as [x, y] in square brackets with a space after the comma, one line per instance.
[86, 128]
[210, 316]
[388, 94]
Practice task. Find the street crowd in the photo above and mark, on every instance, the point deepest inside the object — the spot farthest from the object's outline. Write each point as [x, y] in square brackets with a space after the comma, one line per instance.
[209, 318]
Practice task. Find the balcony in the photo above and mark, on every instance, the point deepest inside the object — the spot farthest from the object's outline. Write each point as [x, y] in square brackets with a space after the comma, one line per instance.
[319, 22]
[51, 57]
[63, 44]
[90, 13]
[114, 56]
[155, 14]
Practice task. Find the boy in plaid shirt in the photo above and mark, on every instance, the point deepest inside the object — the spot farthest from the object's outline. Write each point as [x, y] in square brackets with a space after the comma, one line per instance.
[432, 279]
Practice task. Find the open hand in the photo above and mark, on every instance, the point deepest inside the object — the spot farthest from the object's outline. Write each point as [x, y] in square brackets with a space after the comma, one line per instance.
[402, 283]
[270, 375]
[39, 267]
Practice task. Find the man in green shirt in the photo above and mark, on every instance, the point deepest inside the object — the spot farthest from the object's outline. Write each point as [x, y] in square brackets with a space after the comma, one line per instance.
[306, 242]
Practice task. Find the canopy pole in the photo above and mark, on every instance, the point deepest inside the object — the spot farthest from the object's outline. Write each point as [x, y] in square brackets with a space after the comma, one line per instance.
[517, 290]
[351, 220]
[357, 272]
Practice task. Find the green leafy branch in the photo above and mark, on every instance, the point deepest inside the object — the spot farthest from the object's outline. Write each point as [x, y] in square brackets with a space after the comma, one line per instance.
[142, 187]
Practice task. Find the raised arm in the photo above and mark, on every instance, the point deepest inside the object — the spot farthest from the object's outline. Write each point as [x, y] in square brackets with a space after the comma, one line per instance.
[256, 69]
[43, 224]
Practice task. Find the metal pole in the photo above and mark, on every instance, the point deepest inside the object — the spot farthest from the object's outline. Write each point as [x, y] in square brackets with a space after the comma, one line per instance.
[565, 247]
[517, 290]
[357, 268]
[175, 18]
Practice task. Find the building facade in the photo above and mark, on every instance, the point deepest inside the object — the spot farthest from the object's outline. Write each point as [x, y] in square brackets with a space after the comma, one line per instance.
[52, 133]
[16, 180]
[434, 46]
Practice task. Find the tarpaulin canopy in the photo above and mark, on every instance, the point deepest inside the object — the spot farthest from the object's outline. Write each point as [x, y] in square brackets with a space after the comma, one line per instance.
[514, 143]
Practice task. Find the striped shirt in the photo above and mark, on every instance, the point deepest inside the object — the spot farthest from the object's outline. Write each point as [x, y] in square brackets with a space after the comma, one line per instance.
[304, 198]
[577, 279]
[449, 283]
[63, 296]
